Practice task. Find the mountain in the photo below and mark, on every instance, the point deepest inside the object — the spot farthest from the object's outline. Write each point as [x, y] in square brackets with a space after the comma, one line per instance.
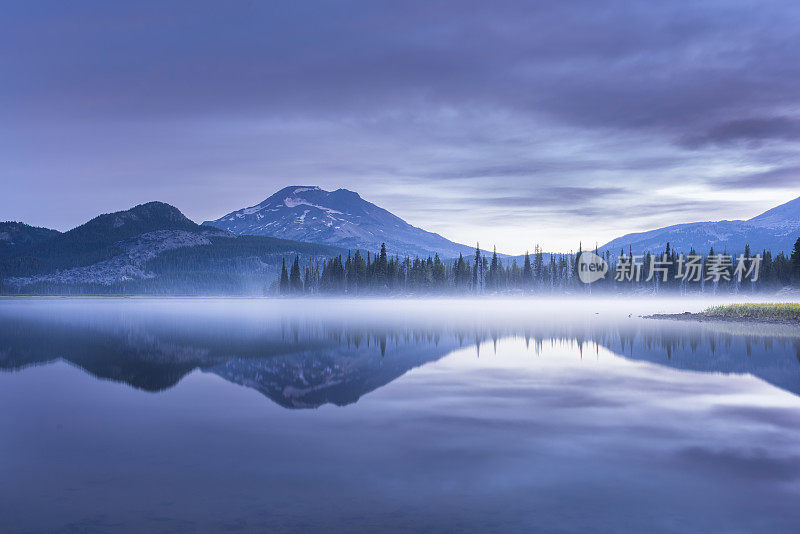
[776, 230]
[149, 249]
[17, 235]
[341, 218]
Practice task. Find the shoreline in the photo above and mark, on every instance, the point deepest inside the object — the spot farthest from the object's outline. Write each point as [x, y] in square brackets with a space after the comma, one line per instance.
[704, 318]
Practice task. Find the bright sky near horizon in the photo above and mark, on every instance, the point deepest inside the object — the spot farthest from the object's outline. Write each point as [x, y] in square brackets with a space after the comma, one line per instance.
[508, 123]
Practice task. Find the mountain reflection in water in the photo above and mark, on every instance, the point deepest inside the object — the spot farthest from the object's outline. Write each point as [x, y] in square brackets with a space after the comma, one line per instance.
[474, 415]
[304, 358]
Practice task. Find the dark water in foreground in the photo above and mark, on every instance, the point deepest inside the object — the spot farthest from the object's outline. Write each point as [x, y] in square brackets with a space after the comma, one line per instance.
[413, 416]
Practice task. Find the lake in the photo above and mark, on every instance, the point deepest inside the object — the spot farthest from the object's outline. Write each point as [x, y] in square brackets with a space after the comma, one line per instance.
[461, 415]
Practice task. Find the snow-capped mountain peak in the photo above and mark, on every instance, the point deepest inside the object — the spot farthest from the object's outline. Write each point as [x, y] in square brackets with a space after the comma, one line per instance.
[340, 217]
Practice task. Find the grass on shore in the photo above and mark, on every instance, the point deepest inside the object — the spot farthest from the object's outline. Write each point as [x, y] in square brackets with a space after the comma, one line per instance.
[777, 310]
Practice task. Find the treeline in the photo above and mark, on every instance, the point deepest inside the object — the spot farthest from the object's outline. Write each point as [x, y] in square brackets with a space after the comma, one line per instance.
[360, 274]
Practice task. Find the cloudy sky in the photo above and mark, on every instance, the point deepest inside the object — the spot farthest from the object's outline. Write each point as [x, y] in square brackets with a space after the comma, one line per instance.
[511, 123]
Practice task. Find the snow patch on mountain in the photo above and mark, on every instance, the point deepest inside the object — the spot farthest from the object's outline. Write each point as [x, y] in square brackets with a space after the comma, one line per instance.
[292, 202]
[303, 189]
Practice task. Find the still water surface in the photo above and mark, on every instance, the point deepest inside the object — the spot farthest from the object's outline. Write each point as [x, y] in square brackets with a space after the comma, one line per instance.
[192, 415]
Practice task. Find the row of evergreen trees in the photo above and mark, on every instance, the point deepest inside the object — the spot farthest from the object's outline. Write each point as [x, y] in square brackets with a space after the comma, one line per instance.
[555, 273]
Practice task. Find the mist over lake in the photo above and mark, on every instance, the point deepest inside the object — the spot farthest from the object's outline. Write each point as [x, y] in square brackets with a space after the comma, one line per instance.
[471, 415]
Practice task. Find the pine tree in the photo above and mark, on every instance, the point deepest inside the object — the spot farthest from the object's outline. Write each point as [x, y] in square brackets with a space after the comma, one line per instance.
[576, 259]
[295, 282]
[766, 274]
[461, 274]
[514, 275]
[796, 259]
[493, 278]
[439, 274]
[477, 270]
[284, 283]
[527, 272]
[381, 268]
[538, 264]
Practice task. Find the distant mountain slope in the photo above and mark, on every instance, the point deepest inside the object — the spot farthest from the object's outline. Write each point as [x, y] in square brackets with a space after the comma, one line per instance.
[151, 248]
[17, 235]
[341, 218]
[776, 229]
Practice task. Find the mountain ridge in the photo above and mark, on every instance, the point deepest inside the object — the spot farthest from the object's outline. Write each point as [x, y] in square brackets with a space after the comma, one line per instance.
[775, 230]
[155, 248]
[150, 248]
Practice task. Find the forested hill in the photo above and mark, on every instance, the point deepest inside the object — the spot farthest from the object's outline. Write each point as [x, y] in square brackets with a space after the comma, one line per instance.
[150, 249]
